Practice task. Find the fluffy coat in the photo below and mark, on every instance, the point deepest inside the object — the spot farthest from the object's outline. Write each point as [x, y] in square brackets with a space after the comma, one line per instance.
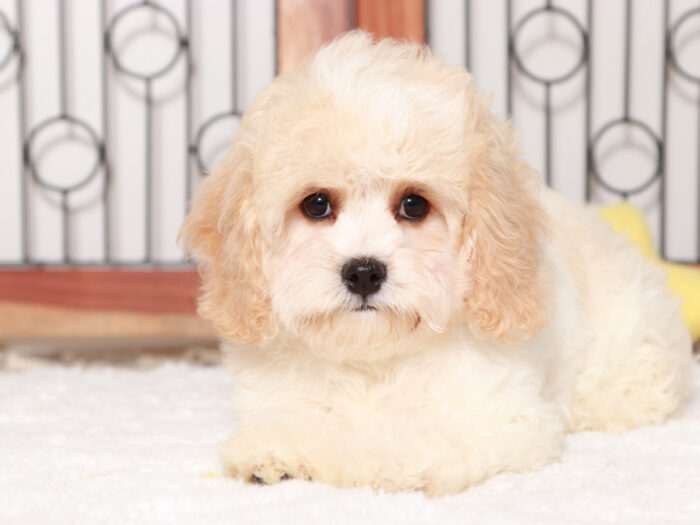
[508, 316]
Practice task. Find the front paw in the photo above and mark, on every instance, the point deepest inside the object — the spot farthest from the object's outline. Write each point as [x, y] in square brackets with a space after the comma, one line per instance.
[256, 480]
[254, 460]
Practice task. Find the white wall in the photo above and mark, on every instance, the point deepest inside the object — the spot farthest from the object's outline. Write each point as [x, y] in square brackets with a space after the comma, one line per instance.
[254, 33]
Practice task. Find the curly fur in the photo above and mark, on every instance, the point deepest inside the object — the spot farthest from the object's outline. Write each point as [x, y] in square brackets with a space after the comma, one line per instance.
[508, 316]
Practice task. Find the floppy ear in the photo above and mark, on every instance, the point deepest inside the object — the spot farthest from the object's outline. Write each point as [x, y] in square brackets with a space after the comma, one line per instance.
[222, 232]
[504, 229]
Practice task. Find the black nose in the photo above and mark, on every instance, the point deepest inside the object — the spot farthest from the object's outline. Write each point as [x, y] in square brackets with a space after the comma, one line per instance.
[363, 276]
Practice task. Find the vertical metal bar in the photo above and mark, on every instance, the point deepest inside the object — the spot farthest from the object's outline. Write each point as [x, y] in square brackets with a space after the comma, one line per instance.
[697, 222]
[65, 226]
[426, 21]
[664, 118]
[589, 43]
[188, 105]
[628, 41]
[24, 157]
[148, 169]
[105, 137]
[548, 133]
[276, 36]
[63, 102]
[509, 79]
[352, 14]
[234, 61]
[468, 34]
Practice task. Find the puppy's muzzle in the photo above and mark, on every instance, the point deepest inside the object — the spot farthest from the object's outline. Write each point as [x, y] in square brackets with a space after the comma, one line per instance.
[363, 276]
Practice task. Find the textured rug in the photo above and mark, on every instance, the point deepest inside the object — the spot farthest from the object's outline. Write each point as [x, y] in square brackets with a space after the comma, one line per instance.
[115, 445]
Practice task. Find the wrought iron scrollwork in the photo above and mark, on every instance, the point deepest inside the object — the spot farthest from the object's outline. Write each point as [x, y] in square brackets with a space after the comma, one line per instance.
[71, 121]
[233, 113]
[673, 63]
[182, 44]
[548, 83]
[198, 131]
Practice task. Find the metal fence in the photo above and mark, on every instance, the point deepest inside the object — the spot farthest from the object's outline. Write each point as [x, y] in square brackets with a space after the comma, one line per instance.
[195, 165]
[586, 33]
[112, 65]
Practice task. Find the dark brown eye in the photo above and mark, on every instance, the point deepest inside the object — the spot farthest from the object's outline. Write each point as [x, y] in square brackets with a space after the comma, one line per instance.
[316, 206]
[413, 207]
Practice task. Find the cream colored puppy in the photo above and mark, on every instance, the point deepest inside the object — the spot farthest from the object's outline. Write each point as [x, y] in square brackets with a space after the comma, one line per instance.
[401, 304]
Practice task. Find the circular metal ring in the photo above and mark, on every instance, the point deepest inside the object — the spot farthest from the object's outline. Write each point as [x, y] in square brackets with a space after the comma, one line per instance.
[202, 130]
[14, 46]
[659, 155]
[93, 136]
[178, 32]
[568, 16]
[687, 15]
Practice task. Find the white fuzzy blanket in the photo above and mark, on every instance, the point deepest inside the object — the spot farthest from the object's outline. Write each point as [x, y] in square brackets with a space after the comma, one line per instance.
[108, 445]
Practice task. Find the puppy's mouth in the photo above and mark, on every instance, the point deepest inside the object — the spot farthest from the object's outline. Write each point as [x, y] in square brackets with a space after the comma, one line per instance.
[364, 308]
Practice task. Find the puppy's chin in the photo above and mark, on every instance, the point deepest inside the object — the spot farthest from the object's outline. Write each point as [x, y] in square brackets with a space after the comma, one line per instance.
[358, 333]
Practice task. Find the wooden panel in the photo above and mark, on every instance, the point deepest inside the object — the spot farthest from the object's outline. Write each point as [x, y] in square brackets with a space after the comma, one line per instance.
[403, 19]
[100, 303]
[25, 321]
[115, 290]
[304, 25]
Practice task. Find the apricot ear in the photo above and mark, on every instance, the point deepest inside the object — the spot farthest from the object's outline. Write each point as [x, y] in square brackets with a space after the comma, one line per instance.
[503, 235]
[223, 234]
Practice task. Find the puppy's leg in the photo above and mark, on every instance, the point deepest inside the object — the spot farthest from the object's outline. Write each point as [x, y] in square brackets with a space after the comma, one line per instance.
[261, 455]
[643, 385]
[438, 453]
[525, 441]
[639, 360]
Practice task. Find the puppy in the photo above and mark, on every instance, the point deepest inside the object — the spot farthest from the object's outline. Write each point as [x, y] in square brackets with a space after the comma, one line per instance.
[402, 305]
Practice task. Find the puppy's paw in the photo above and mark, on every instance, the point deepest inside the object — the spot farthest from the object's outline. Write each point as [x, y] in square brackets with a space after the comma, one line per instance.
[258, 462]
[259, 481]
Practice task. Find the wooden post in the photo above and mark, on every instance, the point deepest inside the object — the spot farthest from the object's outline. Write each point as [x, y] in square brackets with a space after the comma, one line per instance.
[403, 19]
[304, 25]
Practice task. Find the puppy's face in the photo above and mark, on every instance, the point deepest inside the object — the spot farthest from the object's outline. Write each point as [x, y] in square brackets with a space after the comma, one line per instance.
[363, 229]
[368, 201]
[363, 260]
[362, 267]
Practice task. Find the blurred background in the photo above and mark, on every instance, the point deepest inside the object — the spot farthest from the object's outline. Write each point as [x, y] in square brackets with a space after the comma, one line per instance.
[112, 112]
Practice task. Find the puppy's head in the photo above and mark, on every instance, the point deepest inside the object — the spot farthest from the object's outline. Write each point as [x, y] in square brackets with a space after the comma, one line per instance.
[368, 199]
